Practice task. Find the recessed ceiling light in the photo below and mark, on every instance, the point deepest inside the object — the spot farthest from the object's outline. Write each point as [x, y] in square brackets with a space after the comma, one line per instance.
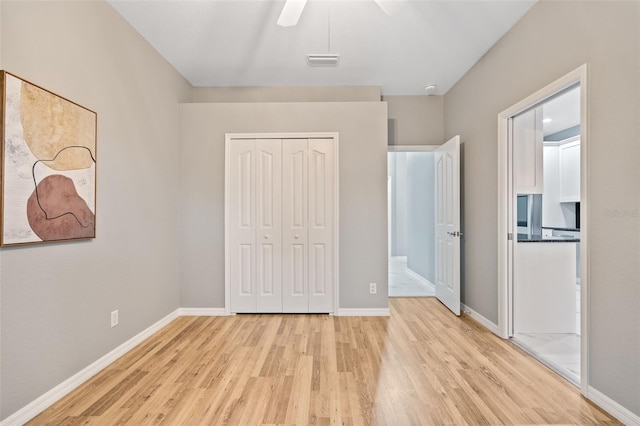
[323, 59]
[547, 120]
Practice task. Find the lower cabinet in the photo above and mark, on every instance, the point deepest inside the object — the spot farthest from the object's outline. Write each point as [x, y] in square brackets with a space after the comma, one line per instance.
[545, 287]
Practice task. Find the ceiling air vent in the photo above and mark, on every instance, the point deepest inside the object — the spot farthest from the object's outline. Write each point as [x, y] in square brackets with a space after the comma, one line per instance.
[323, 60]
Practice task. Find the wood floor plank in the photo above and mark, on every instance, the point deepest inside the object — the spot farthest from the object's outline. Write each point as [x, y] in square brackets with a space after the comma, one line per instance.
[421, 366]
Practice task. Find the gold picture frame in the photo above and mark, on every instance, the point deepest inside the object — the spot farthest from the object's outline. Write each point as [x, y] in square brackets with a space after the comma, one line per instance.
[48, 166]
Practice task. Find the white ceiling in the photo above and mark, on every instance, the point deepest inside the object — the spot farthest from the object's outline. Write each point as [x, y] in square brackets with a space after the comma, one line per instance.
[563, 111]
[237, 43]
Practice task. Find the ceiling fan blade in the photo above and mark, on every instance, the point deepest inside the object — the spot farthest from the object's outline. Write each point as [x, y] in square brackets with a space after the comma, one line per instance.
[390, 7]
[291, 13]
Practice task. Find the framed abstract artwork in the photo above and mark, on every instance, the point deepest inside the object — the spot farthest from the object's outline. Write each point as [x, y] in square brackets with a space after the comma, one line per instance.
[48, 165]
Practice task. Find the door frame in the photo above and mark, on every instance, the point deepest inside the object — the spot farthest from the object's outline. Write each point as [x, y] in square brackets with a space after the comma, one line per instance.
[229, 137]
[505, 209]
[412, 148]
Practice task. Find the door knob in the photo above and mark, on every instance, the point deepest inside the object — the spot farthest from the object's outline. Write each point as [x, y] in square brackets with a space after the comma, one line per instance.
[296, 236]
[266, 236]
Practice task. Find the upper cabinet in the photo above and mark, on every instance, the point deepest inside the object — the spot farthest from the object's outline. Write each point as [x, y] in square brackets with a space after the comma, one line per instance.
[569, 156]
[528, 152]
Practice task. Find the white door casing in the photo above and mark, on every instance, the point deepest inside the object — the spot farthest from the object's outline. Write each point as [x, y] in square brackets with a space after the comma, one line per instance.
[447, 181]
[506, 200]
[281, 224]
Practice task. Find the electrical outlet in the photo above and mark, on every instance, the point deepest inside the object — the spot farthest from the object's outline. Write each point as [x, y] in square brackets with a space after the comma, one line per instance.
[372, 288]
[114, 318]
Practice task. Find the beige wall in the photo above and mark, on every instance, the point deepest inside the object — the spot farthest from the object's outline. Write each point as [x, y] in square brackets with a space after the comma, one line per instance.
[412, 120]
[56, 298]
[362, 128]
[554, 38]
[416, 120]
[287, 94]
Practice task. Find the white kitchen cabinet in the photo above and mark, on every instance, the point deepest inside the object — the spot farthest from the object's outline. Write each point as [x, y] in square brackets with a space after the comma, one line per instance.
[545, 287]
[570, 171]
[528, 152]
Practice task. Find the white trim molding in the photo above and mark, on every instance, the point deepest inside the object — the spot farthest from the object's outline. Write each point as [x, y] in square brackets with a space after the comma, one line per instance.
[413, 274]
[363, 312]
[40, 404]
[203, 312]
[612, 407]
[412, 148]
[489, 325]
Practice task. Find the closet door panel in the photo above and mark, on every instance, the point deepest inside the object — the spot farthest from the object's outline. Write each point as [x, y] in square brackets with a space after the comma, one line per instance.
[295, 249]
[321, 224]
[269, 224]
[281, 225]
[242, 223]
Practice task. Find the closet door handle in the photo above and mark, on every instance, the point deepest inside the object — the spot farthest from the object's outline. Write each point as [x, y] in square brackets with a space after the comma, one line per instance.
[266, 236]
[297, 237]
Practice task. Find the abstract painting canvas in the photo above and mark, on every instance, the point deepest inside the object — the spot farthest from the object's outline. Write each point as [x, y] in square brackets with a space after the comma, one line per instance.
[48, 166]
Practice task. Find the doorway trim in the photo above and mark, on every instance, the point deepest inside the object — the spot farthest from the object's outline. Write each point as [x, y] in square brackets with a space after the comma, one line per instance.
[505, 206]
[229, 137]
[412, 148]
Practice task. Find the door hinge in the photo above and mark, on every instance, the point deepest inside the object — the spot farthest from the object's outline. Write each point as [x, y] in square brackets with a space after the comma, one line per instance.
[510, 236]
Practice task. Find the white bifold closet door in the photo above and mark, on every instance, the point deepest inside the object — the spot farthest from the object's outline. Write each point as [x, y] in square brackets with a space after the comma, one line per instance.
[281, 225]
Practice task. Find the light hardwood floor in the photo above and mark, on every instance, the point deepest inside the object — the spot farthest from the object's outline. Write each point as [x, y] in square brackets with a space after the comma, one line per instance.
[420, 366]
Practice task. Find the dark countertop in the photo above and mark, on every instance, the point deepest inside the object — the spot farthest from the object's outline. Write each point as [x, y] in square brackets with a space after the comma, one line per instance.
[526, 238]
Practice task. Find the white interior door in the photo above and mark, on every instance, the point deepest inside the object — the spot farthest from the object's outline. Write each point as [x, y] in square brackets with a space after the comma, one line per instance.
[321, 224]
[295, 233]
[242, 226]
[447, 162]
[281, 225]
[268, 225]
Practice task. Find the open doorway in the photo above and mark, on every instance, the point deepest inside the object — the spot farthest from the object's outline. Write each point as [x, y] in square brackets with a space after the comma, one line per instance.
[543, 251]
[546, 279]
[411, 189]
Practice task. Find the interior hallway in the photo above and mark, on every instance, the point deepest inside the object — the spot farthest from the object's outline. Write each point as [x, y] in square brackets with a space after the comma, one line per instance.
[405, 283]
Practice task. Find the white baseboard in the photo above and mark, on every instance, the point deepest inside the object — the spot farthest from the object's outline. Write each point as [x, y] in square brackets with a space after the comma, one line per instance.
[419, 277]
[364, 312]
[492, 327]
[202, 312]
[613, 408]
[37, 406]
